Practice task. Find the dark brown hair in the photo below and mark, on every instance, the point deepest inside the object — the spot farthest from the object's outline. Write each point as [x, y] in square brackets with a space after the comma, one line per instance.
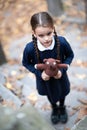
[41, 19]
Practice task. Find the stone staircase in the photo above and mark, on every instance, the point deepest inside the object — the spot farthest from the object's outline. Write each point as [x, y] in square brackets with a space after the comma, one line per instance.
[28, 84]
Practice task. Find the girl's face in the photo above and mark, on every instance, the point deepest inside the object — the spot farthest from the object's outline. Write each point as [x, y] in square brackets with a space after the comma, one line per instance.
[44, 35]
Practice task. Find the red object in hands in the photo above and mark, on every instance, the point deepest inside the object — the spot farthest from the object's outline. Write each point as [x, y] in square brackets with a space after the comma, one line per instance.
[51, 66]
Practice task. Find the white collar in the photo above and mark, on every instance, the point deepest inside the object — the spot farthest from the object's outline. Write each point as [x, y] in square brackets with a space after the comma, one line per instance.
[42, 48]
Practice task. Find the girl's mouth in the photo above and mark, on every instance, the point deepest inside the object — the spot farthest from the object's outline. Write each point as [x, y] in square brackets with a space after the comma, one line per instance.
[46, 42]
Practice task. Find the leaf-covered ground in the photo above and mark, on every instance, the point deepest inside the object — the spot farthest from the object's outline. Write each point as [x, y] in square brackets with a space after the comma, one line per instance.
[14, 25]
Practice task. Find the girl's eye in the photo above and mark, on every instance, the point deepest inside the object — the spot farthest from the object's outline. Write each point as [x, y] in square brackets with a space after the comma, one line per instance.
[49, 33]
[41, 35]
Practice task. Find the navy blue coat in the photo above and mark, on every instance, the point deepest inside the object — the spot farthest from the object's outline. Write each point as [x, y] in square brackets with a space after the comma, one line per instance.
[56, 89]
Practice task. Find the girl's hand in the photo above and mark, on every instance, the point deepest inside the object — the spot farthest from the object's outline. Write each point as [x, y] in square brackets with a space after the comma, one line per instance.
[59, 75]
[44, 76]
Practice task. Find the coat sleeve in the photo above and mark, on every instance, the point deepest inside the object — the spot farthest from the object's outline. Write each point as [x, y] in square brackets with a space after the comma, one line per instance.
[28, 60]
[67, 53]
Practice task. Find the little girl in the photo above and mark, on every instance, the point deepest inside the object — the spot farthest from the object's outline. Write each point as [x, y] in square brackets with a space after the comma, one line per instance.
[46, 44]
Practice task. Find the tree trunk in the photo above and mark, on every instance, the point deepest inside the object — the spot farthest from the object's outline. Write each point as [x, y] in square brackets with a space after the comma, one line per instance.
[86, 10]
[55, 7]
[2, 56]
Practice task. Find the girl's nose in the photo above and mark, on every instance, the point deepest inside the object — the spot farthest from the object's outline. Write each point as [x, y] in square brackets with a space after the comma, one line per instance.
[46, 38]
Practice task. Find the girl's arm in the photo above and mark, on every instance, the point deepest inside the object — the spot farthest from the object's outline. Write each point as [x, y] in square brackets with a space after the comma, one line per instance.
[67, 53]
[28, 62]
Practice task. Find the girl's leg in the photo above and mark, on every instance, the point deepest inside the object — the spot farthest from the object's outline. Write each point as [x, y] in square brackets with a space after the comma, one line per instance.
[63, 112]
[52, 104]
[54, 115]
[62, 102]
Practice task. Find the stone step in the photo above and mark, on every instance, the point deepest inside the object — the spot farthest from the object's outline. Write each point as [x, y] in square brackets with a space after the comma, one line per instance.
[81, 125]
[8, 96]
[25, 118]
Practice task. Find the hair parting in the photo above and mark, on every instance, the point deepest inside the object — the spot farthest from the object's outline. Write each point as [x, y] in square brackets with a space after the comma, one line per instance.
[40, 21]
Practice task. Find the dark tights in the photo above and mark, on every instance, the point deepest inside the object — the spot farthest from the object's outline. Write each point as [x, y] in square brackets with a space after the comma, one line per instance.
[61, 102]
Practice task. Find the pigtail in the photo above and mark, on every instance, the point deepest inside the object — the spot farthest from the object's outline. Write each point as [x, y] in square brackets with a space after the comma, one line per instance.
[36, 48]
[58, 45]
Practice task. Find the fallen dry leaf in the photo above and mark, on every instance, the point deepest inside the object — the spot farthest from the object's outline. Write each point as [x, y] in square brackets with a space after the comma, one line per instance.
[33, 98]
[8, 85]
[81, 114]
[81, 76]
[84, 44]
[80, 63]
[66, 128]
[9, 103]
[20, 76]
[46, 107]
[12, 62]
[83, 101]
[81, 89]
[76, 107]
[72, 112]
